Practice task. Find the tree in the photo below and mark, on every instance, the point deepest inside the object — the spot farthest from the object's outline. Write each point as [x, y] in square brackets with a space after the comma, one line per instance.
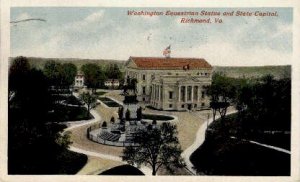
[52, 70]
[112, 120]
[112, 71]
[139, 113]
[89, 99]
[157, 147]
[222, 92]
[18, 72]
[60, 74]
[104, 124]
[127, 115]
[154, 122]
[93, 75]
[120, 113]
[68, 73]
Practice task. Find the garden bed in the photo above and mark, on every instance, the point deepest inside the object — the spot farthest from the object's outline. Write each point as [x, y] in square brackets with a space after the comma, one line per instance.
[109, 102]
[157, 117]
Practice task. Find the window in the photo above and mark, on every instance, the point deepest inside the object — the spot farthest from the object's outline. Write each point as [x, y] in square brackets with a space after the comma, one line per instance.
[182, 106]
[144, 90]
[202, 104]
[170, 95]
[144, 77]
[195, 105]
[144, 99]
[206, 74]
[202, 94]
[170, 105]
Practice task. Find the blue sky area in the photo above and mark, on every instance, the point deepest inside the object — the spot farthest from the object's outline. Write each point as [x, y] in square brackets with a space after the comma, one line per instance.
[109, 33]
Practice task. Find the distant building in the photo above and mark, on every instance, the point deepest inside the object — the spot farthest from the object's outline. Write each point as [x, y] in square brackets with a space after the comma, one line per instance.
[171, 83]
[79, 80]
[112, 83]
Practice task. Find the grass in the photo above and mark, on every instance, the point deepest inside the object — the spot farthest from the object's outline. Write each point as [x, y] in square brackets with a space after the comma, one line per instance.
[222, 155]
[109, 102]
[73, 101]
[123, 170]
[157, 117]
[232, 157]
[66, 113]
[100, 93]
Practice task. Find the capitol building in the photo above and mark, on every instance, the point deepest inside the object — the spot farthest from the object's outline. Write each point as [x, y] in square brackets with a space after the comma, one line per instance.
[167, 83]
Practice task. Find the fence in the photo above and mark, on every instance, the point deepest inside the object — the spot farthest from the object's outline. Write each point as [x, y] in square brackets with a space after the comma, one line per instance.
[94, 137]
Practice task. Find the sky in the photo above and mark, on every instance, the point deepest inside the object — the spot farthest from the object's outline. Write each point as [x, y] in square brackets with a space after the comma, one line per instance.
[109, 33]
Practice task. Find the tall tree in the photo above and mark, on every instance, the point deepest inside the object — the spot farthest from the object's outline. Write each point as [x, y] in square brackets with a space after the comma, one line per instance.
[89, 99]
[222, 93]
[112, 71]
[18, 73]
[157, 147]
[68, 73]
[93, 75]
[52, 71]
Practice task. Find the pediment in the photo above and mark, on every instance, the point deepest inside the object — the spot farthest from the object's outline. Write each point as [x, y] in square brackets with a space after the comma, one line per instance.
[189, 79]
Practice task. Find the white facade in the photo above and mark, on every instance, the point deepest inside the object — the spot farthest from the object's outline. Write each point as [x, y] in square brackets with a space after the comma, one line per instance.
[79, 81]
[171, 89]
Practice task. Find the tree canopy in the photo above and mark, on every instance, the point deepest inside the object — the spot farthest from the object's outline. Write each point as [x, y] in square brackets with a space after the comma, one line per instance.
[60, 74]
[157, 147]
[89, 99]
[94, 76]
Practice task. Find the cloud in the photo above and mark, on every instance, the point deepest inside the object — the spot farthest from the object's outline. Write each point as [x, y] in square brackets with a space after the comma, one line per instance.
[104, 35]
[23, 16]
[95, 17]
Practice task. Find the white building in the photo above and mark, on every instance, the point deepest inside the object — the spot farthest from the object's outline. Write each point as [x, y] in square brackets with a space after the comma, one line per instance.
[112, 83]
[79, 80]
[171, 83]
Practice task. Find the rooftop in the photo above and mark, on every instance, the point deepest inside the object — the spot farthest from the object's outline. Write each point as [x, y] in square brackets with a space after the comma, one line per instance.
[170, 63]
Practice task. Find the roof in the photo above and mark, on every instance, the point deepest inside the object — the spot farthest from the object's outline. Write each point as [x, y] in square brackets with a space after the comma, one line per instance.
[169, 63]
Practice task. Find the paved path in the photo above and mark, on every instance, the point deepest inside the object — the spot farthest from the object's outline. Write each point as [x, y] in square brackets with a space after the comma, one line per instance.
[200, 137]
[266, 145]
[97, 118]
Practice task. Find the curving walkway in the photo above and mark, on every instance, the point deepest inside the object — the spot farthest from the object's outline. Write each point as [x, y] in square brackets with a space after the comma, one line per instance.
[96, 118]
[200, 137]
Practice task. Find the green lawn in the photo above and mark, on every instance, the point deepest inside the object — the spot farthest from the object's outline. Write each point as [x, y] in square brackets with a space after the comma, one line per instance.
[66, 113]
[222, 155]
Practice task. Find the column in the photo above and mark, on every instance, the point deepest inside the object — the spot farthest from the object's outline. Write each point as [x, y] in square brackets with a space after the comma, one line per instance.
[198, 93]
[192, 92]
[186, 93]
[159, 92]
[179, 94]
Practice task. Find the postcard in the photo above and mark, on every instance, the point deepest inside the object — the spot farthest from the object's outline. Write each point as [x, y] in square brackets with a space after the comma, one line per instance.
[115, 92]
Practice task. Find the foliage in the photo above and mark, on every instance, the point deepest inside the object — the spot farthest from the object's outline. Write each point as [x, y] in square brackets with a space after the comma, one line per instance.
[30, 136]
[139, 113]
[18, 73]
[221, 93]
[60, 74]
[154, 122]
[89, 99]
[94, 76]
[127, 115]
[122, 170]
[157, 147]
[112, 71]
[120, 112]
[64, 139]
[112, 120]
